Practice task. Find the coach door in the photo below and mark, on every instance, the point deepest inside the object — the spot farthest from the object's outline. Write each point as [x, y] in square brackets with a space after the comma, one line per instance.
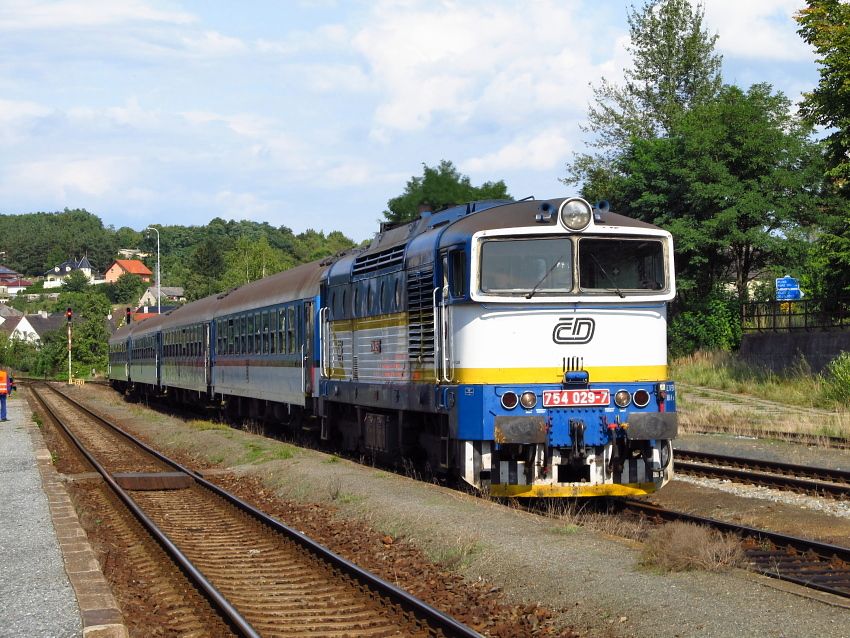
[307, 348]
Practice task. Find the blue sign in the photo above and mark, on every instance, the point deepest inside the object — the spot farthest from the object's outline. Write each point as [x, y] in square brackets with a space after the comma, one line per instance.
[786, 282]
[788, 289]
[789, 294]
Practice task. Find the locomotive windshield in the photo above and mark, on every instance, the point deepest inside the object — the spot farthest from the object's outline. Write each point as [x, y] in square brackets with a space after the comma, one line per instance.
[621, 264]
[527, 266]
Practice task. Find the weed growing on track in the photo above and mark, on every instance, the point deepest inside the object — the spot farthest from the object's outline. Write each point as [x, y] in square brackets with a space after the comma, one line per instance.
[680, 546]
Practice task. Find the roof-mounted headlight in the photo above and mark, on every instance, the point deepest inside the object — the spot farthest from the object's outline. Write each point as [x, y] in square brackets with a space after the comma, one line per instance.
[575, 214]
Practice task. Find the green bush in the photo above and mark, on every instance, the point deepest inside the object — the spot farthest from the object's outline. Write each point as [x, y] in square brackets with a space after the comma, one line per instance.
[713, 324]
[836, 378]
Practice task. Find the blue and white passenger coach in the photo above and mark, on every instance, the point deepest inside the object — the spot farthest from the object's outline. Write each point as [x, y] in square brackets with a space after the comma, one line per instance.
[520, 346]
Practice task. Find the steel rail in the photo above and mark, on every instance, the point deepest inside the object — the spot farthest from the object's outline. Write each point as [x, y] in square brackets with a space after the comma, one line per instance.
[820, 473]
[819, 481]
[835, 442]
[409, 602]
[833, 556]
[195, 575]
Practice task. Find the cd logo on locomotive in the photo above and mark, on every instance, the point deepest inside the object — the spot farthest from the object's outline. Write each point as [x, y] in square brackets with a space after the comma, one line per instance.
[571, 330]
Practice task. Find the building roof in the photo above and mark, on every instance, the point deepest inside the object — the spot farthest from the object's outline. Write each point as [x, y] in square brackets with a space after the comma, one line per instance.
[8, 311]
[133, 266]
[167, 291]
[66, 267]
[43, 325]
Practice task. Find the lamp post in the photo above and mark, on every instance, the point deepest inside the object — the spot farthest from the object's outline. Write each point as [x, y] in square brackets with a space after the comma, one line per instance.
[158, 282]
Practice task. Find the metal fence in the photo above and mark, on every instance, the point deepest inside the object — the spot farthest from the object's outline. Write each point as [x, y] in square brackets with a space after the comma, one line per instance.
[801, 314]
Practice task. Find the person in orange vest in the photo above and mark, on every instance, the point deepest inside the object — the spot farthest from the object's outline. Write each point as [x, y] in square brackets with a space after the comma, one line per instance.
[5, 390]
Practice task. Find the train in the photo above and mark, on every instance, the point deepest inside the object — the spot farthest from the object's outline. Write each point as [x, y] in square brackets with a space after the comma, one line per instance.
[518, 346]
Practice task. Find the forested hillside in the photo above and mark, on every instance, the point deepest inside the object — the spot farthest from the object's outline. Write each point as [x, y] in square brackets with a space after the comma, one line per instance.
[202, 259]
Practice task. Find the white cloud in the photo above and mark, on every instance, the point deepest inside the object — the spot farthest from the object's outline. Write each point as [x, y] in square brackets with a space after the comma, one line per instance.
[323, 39]
[18, 117]
[131, 114]
[757, 29]
[544, 151]
[14, 111]
[241, 205]
[462, 60]
[64, 179]
[69, 14]
[211, 44]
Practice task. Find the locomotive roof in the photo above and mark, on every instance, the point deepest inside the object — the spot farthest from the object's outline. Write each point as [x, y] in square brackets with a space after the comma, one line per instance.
[524, 214]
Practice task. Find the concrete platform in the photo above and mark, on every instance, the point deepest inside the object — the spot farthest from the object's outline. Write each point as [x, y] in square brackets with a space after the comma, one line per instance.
[51, 584]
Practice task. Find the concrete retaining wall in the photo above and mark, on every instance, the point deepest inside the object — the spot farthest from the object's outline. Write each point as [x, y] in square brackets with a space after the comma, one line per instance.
[779, 350]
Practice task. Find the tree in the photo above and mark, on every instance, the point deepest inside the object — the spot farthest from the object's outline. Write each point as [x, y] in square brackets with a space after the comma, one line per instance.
[206, 266]
[825, 24]
[437, 188]
[76, 282]
[126, 289]
[674, 69]
[252, 260]
[733, 180]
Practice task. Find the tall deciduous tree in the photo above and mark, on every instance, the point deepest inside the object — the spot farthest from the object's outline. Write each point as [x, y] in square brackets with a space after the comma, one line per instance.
[825, 24]
[252, 260]
[439, 187]
[734, 178]
[674, 68]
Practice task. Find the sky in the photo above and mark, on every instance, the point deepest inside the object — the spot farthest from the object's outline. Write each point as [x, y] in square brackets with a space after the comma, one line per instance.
[314, 113]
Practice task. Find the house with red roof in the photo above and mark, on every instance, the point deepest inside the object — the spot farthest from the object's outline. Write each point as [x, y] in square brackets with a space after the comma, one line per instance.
[127, 266]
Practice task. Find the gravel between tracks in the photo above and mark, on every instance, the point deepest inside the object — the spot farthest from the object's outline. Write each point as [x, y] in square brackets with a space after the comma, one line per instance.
[591, 580]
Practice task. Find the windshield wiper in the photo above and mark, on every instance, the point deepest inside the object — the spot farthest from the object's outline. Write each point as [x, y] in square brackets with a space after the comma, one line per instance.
[542, 279]
[607, 276]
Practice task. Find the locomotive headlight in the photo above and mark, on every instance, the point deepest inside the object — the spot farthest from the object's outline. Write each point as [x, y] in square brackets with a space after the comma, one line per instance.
[509, 400]
[528, 400]
[622, 398]
[575, 213]
[641, 398]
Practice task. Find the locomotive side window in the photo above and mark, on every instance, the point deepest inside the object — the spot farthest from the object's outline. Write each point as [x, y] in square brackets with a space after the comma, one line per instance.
[621, 264]
[520, 266]
[457, 273]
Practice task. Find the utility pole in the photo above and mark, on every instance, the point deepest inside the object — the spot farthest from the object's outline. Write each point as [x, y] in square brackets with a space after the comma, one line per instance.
[69, 314]
[158, 281]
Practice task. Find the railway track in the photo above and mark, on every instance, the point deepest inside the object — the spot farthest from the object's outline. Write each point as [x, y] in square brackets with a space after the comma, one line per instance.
[786, 476]
[809, 563]
[260, 577]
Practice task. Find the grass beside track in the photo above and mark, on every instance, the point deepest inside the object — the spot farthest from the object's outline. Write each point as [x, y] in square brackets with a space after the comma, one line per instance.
[719, 392]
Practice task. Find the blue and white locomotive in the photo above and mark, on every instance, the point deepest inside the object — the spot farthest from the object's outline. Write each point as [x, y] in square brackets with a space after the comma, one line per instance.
[520, 346]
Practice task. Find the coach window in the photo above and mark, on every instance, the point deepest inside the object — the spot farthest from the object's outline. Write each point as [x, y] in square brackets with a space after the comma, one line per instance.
[273, 331]
[243, 341]
[265, 332]
[290, 330]
[258, 333]
[281, 330]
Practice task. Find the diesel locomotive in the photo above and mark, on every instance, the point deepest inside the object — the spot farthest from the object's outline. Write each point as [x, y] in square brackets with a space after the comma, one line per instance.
[517, 345]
